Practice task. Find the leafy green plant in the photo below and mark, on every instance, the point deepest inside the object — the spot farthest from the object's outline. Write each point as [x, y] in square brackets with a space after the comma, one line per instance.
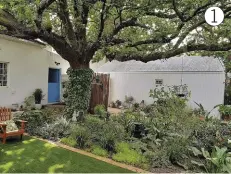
[70, 141]
[136, 106]
[124, 153]
[225, 110]
[82, 136]
[218, 161]
[129, 100]
[94, 124]
[202, 112]
[29, 103]
[97, 150]
[100, 110]
[38, 96]
[118, 103]
[112, 132]
[167, 102]
[126, 120]
[35, 119]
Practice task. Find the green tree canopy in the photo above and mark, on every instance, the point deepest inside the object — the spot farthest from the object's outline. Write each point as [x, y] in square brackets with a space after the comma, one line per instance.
[145, 30]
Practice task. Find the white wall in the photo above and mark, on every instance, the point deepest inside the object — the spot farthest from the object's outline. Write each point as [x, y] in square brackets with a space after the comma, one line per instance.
[27, 69]
[206, 88]
[96, 65]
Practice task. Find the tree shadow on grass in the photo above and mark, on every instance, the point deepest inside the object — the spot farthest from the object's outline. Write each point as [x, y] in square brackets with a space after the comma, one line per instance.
[35, 156]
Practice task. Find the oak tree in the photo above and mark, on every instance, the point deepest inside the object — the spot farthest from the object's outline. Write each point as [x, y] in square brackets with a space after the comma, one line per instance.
[85, 30]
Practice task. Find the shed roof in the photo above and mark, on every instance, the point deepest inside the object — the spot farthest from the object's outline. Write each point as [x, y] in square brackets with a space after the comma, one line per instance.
[177, 64]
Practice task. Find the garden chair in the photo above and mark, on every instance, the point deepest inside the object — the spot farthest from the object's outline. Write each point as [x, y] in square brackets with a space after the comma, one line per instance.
[8, 128]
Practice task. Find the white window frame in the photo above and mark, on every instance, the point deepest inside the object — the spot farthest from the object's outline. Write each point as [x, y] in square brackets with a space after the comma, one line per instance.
[4, 68]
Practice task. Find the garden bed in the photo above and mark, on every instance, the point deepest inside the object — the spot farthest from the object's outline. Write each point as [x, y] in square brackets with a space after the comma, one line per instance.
[163, 137]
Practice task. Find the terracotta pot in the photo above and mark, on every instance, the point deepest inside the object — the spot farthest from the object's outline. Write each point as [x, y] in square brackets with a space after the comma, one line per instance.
[202, 118]
[226, 117]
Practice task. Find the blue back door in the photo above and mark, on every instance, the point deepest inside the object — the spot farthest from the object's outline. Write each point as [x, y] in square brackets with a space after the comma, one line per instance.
[53, 85]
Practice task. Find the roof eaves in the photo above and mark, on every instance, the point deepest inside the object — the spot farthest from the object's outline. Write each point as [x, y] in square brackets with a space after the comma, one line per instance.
[29, 42]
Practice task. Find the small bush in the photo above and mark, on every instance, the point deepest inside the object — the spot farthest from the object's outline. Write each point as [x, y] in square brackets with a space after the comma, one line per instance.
[46, 123]
[97, 150]
[82, 135]
[128, 155]
[100, 111]
[95, 126]
[136, 106]
[70, 141]
[55, 130]
[111, 133]
[35, 119]
[29, 103]
[38, 96]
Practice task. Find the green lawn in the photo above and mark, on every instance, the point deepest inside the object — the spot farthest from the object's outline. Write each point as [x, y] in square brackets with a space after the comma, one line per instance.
[35, 156]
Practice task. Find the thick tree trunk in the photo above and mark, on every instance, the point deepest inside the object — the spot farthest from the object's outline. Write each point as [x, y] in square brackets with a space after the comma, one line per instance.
[78, 88]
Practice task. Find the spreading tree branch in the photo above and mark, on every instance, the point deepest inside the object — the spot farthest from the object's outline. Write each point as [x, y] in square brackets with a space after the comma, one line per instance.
[102, 19]
[9, 21]
[43, 5]
[161, 15]
[63, 14]
[144, 57]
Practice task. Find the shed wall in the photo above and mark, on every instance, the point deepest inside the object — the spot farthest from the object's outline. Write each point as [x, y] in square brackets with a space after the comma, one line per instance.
[206, 88]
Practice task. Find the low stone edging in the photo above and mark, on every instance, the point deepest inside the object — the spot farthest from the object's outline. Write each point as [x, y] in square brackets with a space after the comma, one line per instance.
[107, 160]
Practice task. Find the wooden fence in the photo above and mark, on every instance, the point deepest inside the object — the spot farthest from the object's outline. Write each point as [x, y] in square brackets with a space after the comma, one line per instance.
[99, 91]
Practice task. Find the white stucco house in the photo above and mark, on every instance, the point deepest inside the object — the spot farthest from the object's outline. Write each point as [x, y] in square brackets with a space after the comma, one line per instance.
[25, 66]
[204, 76]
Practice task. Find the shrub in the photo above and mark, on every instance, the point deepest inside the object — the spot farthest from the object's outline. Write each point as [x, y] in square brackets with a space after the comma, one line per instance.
[38, 96]
[136, 105]
[205, 134]
[124, 153]
[60, 128]
[95, 126]
[167, 102]
[126, 120]
[44, 123]
[104, 133]
[70, 141]
[111, 133]
[55, 130]
[97, 150]
[35, 119]
[118, 103]
[29, 103]
[82, 136]
[100, 111]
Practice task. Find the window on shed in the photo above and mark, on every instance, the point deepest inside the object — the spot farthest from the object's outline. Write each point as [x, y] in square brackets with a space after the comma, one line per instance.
[159, 81]
[3, 74]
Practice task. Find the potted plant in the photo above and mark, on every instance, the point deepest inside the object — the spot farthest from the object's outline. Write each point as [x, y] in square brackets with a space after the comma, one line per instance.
[225, 111]
[38, 96]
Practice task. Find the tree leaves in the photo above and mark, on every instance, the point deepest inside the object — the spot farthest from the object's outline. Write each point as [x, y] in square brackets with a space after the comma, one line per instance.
[124, 30]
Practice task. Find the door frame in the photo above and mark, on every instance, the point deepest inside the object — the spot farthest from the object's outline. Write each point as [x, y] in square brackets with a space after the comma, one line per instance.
[60, 84]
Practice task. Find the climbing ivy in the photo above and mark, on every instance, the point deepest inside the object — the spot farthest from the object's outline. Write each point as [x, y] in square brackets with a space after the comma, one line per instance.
[78, 90]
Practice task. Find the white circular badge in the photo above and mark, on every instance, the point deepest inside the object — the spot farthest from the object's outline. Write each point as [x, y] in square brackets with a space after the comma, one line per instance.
[214, 16]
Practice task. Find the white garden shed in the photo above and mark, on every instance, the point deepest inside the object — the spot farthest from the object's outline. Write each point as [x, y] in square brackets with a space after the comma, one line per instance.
[204, 76]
